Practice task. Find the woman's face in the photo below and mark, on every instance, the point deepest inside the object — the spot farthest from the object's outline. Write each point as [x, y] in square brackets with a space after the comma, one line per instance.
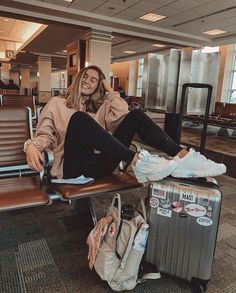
[89, 82]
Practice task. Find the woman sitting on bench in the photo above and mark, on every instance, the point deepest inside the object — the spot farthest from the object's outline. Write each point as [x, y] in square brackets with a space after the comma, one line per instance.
[90, 130]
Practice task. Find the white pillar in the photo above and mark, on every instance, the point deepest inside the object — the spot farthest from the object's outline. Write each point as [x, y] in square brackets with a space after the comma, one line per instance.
[133, 75]
[98, 50]
[5, 72]
[15, 76]
[44, 78]
[25, 77]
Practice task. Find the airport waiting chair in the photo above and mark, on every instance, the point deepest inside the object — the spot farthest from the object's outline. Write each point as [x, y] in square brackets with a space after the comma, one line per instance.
[20, 187]
[19, 101]
[11, 92]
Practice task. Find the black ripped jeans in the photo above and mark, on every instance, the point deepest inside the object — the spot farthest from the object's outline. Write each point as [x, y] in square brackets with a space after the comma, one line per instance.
[84, 135]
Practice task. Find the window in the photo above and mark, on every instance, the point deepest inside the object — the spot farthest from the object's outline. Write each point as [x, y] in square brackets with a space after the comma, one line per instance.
[232, 88]
[140, 77]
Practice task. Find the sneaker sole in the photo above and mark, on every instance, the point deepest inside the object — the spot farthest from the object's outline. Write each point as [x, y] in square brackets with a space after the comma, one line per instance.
[192, 175]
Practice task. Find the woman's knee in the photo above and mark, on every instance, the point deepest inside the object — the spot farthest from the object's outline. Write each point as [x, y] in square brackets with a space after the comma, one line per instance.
[137, 115]
[80, 117]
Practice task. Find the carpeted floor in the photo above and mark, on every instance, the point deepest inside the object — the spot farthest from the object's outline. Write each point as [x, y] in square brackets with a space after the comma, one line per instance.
[43, 249]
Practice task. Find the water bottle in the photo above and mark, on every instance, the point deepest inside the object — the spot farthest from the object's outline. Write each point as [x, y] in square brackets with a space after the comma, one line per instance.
[140, 239]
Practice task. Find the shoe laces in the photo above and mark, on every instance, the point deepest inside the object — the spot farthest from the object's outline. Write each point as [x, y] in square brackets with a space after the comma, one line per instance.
[198, 155]
[150, 157]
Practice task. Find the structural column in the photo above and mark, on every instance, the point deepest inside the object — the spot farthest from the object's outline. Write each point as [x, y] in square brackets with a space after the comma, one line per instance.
[25, 78]
[98, 50]
[44, 78]
[5, 72]
[133, 75]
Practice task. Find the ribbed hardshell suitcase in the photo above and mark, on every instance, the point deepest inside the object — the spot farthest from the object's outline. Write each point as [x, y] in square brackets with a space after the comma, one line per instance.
[183, 217]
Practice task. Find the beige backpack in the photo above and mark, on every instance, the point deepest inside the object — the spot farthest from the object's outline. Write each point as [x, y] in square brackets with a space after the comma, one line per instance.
[122, 248]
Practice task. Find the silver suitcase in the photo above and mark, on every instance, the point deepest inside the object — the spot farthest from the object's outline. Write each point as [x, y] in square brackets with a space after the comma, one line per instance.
[183, 217]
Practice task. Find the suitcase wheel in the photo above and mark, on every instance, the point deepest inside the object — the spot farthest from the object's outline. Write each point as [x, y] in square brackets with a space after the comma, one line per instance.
[197, 287]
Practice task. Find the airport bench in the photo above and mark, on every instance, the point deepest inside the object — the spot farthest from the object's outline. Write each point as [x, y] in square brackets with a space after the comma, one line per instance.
[223, 116]
[21, 187]
[10, 92]
[19, 101]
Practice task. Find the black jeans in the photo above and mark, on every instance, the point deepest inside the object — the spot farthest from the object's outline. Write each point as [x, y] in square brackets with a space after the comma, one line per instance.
[84, 135]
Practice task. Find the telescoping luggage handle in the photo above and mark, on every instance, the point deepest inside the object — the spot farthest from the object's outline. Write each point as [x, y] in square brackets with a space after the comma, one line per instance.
[208, 103]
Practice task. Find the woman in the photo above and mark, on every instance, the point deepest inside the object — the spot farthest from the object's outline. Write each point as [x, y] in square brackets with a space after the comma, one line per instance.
[90, 132]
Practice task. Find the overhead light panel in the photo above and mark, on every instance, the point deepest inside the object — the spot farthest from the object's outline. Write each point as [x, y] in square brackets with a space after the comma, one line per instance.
[129, 52]
[158, 45]
[210, 49]
[214, 32]
[70, 1]
[152, 17]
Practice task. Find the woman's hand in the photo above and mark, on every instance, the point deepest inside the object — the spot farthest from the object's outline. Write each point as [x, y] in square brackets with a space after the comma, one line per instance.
[107, 86]
[34, 158]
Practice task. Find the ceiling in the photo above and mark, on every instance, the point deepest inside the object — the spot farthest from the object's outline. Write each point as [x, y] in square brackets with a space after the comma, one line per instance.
[184, 25]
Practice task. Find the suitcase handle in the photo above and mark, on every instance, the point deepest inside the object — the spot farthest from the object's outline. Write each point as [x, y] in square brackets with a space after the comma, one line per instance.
[208, 103]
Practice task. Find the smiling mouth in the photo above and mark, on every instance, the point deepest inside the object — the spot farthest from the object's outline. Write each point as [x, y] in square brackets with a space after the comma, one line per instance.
[84, 86]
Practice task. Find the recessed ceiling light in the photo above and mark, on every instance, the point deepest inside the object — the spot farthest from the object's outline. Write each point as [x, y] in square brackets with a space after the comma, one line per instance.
[210, 49]
[129, 52]
[152, 17]
[158, 45]
[70, 1]
[214, 32]
[6, 19]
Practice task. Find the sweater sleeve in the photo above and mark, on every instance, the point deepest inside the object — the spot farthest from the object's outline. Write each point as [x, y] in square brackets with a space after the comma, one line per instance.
[46, 133]
[112, 112]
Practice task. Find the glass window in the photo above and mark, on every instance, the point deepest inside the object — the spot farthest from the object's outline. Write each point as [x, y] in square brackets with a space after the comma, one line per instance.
[140, 77]
[232, 88]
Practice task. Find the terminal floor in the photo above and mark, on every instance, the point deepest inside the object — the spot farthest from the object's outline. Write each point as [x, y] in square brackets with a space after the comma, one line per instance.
[44, 249]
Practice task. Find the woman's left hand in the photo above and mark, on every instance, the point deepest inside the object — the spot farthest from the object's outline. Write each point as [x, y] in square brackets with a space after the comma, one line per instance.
[107, 86]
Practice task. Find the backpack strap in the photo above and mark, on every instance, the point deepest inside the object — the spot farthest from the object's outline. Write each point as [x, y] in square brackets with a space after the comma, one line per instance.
[149, 276]
[143, 212]
[118, 198]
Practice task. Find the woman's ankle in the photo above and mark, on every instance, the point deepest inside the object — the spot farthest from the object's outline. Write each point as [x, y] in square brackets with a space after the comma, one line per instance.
[135, 159]
[182, 153]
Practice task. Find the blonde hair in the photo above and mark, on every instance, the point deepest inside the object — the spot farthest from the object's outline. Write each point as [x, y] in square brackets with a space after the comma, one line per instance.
[73, 93]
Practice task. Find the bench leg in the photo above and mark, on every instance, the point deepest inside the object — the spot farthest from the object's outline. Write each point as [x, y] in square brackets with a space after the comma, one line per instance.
[223, 132]
[92, 212]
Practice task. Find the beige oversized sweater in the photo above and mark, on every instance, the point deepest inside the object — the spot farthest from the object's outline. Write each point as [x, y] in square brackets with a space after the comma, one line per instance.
[55, 117]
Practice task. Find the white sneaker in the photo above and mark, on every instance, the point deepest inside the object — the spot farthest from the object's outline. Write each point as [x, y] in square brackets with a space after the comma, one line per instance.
[195, 164]
[153, 168]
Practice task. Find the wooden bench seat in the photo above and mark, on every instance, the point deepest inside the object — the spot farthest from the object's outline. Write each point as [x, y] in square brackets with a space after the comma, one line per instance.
[112, 183]
[21, 192]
